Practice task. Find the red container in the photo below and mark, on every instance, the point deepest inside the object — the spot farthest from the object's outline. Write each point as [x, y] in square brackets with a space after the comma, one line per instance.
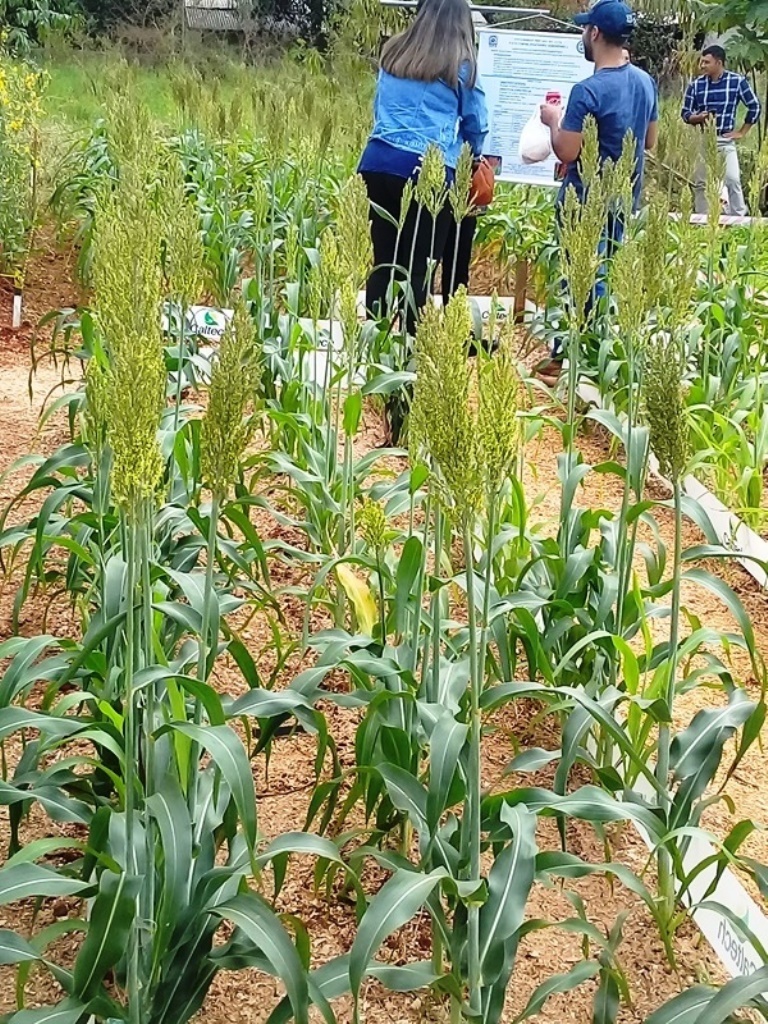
[554, 98]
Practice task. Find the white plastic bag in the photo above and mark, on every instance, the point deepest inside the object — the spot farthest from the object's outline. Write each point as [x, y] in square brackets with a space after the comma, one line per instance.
[535, 140]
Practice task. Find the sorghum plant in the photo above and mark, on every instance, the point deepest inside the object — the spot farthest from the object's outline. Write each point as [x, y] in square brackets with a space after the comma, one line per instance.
[665, 411]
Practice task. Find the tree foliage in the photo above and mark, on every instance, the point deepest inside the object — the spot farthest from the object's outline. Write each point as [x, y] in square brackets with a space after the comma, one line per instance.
[746, 21]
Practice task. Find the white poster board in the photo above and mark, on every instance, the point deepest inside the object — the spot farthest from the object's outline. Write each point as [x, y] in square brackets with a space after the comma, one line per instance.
[517, 70]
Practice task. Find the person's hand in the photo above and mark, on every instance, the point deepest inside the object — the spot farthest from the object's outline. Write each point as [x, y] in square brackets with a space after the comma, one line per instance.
[701, 118]
[735, 136]
[550, 114]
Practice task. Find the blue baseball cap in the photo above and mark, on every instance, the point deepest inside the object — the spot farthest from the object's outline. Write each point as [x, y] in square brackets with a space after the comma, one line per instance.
[612, 17]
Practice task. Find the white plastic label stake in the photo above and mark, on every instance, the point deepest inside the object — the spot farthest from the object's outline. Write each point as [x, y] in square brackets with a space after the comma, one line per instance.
[17, 305]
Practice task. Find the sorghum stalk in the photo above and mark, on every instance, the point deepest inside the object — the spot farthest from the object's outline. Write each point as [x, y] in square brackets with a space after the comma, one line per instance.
[128, 301]
[405, 205]
[713, 160]
[355, 255]
[443, 426]
[224, 435]
[665, 410]
[435, 196]
[132, 760]
[430, 185]
[474, 779]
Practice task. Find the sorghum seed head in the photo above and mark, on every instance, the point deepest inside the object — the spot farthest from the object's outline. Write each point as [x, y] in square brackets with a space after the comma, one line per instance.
[665, 404]
[459, 192]
[430, 185]
[372, 524]
[235, 378]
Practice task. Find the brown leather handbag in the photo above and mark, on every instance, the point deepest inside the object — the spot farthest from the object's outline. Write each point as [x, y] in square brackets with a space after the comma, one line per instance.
[483, 183]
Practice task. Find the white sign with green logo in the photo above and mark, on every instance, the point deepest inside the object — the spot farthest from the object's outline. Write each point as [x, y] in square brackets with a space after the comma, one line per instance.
[202, 322]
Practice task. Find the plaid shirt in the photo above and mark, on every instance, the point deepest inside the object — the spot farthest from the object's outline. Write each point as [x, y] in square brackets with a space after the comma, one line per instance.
[721, 98]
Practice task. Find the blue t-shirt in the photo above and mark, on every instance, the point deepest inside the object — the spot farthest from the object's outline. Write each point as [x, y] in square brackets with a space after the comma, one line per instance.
[620, 100]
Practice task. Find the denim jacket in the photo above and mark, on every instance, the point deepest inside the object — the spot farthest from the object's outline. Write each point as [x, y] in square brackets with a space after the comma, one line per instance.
[410, 115]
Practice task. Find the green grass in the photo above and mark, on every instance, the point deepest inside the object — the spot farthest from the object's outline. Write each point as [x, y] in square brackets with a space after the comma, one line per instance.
[77, 86]
[78, 81]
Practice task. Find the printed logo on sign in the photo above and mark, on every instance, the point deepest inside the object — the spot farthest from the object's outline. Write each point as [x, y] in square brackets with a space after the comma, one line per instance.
[493, 42]
[736, 948]
[208, 323]
[580, 46]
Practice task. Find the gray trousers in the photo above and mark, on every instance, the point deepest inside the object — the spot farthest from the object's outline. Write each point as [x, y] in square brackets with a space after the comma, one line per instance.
[737, 207]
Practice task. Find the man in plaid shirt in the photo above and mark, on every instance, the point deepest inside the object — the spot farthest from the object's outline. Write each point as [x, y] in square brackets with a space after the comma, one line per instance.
[716, 94]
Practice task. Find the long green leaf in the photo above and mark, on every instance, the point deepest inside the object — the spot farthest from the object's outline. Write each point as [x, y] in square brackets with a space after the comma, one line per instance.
[110, 923]
[556, 985]
[509, 885]
[170, 811]
[63, 1014]
[605, 1007]
[685, 1008]
[738, 993]
[260, 924]
[25, 880]
[14, 949]
[394, 905]
[446, 743]
[226, 749]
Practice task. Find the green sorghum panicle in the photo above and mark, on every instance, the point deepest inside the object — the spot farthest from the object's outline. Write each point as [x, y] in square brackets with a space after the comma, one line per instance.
[589, 159]
[372, 525]
[665, 404]
[315, 292]
[442, 426]
[714, 163]
[683, 272]
[654, 246]
[128, 292]
[292, 252]
[459, 192]
[259, 203]
[354, 232]
[624, 175]
[627, 274]
[350, 322]
[97, 404]
[497, 408]
[330, 267]
[758, 179]
[582, 227]
[184, 255]
[430, 185]
[405, 203]
[227, 428]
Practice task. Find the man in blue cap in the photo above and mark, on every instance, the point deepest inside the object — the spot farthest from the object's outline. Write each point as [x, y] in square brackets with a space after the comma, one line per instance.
[621, 98]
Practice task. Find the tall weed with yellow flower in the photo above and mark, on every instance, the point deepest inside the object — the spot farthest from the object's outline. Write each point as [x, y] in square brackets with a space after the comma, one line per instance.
[22, 88]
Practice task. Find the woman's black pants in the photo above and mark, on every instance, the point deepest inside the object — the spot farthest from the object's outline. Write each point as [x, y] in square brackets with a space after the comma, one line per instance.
[422, 239]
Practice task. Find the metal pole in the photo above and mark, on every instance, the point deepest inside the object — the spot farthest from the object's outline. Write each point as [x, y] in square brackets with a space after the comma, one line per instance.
[481, 8]
[183, 5]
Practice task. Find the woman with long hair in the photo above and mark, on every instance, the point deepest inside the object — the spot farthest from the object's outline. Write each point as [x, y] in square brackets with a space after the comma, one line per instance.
[428, 93]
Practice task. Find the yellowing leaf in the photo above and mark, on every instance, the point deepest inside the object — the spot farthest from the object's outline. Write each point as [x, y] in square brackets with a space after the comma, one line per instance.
[359, 594]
